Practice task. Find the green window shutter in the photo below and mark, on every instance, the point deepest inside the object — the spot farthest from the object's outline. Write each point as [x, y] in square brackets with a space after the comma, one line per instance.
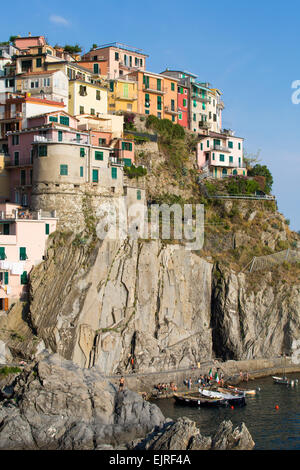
[60, 136]
[81, 171]
[181, 90]
[6, 277]
[184, 103]
[82, 152]
[42, 150]
[130, 146]
[63, 170]
[16, 158]
[96, 68]
[64, 120]
[207, 143]
[23, 255]
[78, 137]
[114, 174]
[173, 105]
[230, 159]
[127, 161]
[5, 229]
[138, 195]
[173, 118]
[147, 100]
[180, 116]
[53, 119]
[123, 145]
[230, 145]
[194, 117]
[159, 102]
[213, 156]
[39, 62]
[98, 155]
[203, 106]
[125, 90]
[159, 84]
[239, 146]
[81, 110]
[95, 176]
[222, 158]
[47, 229]
[201, 146]
[173, 86]
[24, 278]
[2, 252]
[194, 103]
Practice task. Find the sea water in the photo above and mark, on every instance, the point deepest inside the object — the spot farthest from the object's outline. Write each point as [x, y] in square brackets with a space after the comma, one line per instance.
[272, 416]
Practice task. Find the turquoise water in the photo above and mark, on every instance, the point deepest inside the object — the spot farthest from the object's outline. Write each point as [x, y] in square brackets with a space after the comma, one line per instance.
[270, 428]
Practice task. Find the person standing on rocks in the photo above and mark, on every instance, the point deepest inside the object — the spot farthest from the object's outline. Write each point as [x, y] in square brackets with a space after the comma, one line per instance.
[121, 384]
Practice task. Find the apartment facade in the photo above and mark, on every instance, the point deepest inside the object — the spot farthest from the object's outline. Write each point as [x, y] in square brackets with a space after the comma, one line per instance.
[48, 84]
[87, 98]
[123, 95]
[117, 59]
[157, 95]
[220, 154]
[23, 237]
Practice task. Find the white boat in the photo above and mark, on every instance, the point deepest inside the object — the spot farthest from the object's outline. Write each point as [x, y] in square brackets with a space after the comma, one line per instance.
[284, 380]
[237, 399]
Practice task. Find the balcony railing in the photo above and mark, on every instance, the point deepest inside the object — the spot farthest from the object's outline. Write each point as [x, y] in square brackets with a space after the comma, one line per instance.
[170, 110]
[203, 99]
[19, 163]
[22, 214]
[221, 148]
[42, 139]
[130, 97]
[162, 91]
[205, 124]
[220, 104]
[116, 161]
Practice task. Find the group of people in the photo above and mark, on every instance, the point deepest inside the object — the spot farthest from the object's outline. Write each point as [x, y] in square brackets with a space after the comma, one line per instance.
[206, 380]
[163, 387]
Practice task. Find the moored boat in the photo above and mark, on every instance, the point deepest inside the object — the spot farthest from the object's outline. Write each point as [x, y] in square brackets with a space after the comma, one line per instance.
[198, 401]
[231, 398]
[246, 391]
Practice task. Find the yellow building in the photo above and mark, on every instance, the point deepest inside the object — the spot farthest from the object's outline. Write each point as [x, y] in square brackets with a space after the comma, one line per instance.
[87, 98]
[123, 95]
[4, 177]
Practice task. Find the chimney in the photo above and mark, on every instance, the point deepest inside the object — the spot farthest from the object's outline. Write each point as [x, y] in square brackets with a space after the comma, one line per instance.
[29, 34]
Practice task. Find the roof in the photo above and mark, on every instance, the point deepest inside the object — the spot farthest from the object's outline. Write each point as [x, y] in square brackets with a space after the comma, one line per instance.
[32, 99]
[119, 45]
[181, 71]
[53, 112]
[43, 72]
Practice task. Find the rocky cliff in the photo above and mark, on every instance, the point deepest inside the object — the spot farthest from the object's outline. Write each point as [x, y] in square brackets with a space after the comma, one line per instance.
[103, 303]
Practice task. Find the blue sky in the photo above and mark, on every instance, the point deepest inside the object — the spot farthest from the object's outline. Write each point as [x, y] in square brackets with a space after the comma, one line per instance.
[249, 50]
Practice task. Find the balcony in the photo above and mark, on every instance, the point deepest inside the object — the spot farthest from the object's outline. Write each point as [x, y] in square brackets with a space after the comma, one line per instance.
[42, 139]
[116, 161]
[220, 104]
[203, 99]
[19, 163]
[204, 124]
[222, 148]
[130, 97]
[162, 91]
[170, 110]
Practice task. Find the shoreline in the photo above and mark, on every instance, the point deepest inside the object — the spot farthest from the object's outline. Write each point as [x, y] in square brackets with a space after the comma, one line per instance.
[144, 382]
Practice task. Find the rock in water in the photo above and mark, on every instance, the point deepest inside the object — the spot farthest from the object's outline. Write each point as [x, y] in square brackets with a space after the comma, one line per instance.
[227, 438]
[57, 405]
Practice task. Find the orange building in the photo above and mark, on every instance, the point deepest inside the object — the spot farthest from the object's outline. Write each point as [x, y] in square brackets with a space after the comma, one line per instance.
[157, 95]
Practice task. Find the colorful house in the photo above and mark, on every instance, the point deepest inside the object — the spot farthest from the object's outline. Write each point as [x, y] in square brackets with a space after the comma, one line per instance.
[220, 155]
[116, 59]
[157, 95]
[123, 95]
[87, 98]
[47, 84]
[23, 237]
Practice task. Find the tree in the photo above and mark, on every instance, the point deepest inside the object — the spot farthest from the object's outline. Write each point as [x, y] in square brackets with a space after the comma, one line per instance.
[251, 159]
[12, 38]
[72, 49]
[94, 46]
[262, 170]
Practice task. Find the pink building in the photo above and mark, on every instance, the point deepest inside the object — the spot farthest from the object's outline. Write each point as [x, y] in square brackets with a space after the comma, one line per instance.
[23, 237]
[220, 155]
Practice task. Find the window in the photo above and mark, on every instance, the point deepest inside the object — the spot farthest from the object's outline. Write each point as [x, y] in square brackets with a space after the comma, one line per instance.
[42, 150]
[46, 81]
[116, 56]
[127, 146]
[60, 136]
[184, 103]
[159, 115]
[194, 117]
[159, 84]
[98, 95]
[138, 195]
[230, 145]
[114, 174]
[173, 105]
[180, 116]
[22, 177]
[102, 141]
[24, 278]
[230, 159]
[203, 106]
[136, 61]
[16, 158]
[213, 155]
[39, 62]
[78, 138]
[207, 143]
[95, 176]
[5, 229]
[98, 155]
[15, 140]
[222, 158]
[81, 171]
[141, 62]
[173, 118]
[2, 253]
[194, 103]
[53, 118]
[147, 100]
[127, 161]
[64, 120]
[239, 146]
[47, 229]
[82, 90]
[81, 110]
[201, 146]
[96, 68]
[173, 86]
[92, 112]
[82, 152]
[4, 277]
[63, 170]
[22, 252]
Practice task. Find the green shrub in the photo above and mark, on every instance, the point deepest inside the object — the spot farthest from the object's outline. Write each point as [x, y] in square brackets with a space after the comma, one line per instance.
[135, 172]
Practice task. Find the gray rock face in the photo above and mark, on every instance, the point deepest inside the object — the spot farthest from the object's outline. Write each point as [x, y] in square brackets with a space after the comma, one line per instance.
[57, 405]
[184, 435]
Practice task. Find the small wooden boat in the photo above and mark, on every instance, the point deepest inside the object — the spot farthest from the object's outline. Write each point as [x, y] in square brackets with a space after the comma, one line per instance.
[230, 398]
[246, 391]
[198, 401]
[284, 381]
